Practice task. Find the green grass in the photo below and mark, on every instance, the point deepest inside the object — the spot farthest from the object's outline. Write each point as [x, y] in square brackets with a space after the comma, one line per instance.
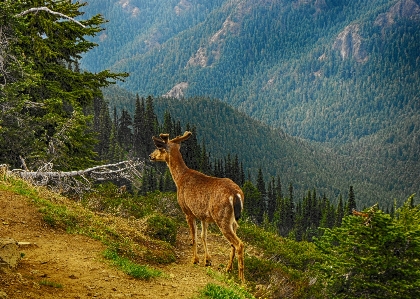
[129, 267]
[214, 291]
[114, 232]
[51, 284]
[281, 259]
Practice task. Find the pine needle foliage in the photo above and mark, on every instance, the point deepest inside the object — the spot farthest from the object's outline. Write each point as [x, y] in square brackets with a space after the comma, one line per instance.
[46, 100]
[373, 255]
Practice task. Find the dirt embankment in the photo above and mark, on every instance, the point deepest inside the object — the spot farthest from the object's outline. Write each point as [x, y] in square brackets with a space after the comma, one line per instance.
[76, 268]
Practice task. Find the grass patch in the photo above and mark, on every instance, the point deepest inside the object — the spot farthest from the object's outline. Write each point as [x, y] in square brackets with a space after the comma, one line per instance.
[51, 284]
[283, 265]
[129, 267]
[62, 213]
[214, 291]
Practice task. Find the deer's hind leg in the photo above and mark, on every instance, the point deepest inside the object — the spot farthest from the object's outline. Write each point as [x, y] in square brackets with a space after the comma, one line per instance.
[193, 234]
[207, 258]
[229, 232]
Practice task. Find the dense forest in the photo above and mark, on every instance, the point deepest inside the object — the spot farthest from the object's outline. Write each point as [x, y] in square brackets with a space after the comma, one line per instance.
[323, 70]
[266, 205]
[342, 74]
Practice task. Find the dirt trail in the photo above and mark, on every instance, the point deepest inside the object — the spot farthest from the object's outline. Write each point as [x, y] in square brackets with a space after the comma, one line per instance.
[75, 262]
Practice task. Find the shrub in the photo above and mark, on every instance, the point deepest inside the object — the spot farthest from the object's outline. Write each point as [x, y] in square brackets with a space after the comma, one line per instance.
[373, 256]
[162, 228]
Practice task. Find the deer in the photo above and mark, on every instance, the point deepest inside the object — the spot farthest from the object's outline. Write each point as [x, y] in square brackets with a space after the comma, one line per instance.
[205, 198]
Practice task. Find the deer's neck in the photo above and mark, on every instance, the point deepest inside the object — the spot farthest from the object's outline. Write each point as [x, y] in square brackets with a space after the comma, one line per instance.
[177, 166]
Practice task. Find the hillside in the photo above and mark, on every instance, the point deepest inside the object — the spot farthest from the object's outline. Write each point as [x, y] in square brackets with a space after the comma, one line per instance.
[58, 264]
[322, 70]
[342, 74]
[104, 247]
[306, 165]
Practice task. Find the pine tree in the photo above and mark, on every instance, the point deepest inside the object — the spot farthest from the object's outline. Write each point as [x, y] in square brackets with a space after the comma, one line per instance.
[291, 191]
[104, 132]
[252, 204]
[272, 200]
[54, 99]
[352, 201]
[205, 165]
[124, 132]
[261, 189]
[190, 149]
[168, 125]
[360, 261]
[340, 212]
[139, 129]
[151, 125]
[278, 188]
[236, 175]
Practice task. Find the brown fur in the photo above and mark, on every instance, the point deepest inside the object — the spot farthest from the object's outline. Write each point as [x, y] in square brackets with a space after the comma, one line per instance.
[202, 197]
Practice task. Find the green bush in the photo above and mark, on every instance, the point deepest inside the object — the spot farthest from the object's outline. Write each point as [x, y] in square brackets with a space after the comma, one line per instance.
[162, 228]
[214, 291]
[259, 269]
[373, 255]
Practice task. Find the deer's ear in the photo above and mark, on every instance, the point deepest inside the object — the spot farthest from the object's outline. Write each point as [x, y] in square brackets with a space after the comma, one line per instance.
[159, 143]
[164, 137]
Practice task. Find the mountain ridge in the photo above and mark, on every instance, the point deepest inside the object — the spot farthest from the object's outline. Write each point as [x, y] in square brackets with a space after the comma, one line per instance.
[269, 58]
[342, 74]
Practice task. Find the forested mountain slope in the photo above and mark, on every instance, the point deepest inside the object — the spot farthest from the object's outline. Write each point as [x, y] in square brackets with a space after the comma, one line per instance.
[307, 165]
[322, 70]
[336, 72]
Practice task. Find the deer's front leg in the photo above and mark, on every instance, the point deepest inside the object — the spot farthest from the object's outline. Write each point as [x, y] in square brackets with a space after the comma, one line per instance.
[193, 233]
[207, 258]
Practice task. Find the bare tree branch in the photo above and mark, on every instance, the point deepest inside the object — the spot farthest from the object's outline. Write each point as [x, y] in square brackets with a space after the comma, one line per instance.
[80, 181]
[44, 8]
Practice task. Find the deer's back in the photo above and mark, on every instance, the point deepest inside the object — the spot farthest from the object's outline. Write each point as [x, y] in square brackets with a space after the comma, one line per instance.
[204, 196]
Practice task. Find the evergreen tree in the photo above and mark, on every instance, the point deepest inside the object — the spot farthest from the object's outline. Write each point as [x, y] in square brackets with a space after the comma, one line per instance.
[168, 125]
[53, 100]
[116, 153]
[190, 150]
[352, 201]
[252, 203]
[272, 200]
[261, 189]
[242, 175]
[124, 133]
[378, 260]
[151, 125]
[235, 170]
[104, 132]
[205, 165]
[279, 192]
[340, 211]
[291, 191]
[139, 129]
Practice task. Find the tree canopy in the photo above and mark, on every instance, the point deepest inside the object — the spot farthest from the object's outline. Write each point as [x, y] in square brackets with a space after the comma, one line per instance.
[46, 101]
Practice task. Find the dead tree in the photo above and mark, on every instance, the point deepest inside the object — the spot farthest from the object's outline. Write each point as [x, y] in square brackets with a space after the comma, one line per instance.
[80, 181]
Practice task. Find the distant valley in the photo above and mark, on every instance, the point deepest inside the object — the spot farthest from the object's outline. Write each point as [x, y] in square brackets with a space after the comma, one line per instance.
[343, 75]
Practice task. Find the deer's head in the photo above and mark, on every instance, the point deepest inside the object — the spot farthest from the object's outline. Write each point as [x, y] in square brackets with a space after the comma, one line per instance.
[164, 146]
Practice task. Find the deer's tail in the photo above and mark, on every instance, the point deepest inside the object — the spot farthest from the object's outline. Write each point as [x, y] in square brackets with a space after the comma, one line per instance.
[237, 206]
